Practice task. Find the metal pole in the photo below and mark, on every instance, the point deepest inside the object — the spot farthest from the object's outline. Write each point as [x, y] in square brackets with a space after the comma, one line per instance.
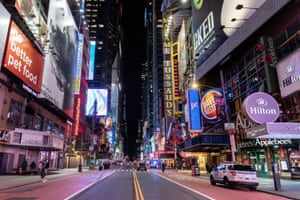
[93, 129]
[230, 132]
[80, 163]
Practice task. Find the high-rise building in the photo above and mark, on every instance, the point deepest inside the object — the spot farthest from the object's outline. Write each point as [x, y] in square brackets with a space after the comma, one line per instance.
[153, 73]
[103, 18]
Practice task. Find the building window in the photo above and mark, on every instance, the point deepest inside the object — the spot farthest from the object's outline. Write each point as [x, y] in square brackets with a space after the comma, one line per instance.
[14, 112]
[38, 123]
[62, 132]
[46, 139]
[55, 128]
[17, 137]
[49, 125]
[28, 118]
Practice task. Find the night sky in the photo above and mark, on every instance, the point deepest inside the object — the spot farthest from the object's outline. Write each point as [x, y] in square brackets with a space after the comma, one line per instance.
[134, 55]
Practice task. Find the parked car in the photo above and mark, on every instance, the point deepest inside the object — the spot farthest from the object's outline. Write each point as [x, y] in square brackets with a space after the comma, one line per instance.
[233, 173]
[142, 166]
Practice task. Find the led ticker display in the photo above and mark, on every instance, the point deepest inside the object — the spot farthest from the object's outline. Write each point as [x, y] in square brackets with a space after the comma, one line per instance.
[96, 98]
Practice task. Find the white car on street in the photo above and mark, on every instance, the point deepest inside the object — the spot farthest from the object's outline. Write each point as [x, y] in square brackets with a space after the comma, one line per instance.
[233, 173]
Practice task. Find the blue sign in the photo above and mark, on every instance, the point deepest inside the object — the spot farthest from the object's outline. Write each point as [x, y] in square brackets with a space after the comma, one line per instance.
[195, 123]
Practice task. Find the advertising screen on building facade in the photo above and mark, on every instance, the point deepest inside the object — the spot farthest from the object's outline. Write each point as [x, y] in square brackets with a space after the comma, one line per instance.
[182, 55]
[208, 32]
[216, 20]
[195, 124]
[213, 106]
[23, 59]
[31, 12]
[58, 82]
[288, 72]
[5, 19]
[96, 98]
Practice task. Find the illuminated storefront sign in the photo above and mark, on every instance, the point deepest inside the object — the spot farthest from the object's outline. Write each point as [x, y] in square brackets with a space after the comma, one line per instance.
[261, 107]
[275, 130]
[77, 114]
[263, 142]
[195, 124]
[23, 60]
[288, 72]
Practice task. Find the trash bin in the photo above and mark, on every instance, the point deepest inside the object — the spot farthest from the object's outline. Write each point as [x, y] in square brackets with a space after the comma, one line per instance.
[195, 170]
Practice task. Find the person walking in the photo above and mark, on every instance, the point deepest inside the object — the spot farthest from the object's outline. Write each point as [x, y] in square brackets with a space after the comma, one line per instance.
[24, 166]
[32, 167]
[163, 166]
[42, 166]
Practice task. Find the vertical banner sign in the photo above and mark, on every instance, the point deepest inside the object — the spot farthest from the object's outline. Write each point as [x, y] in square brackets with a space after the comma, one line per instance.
[23, 59]
[195, 124]
[168, 83]
[78, 66]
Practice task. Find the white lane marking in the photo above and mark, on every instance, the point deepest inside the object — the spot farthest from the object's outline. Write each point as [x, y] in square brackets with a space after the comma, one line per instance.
[204, 195]
[86, 187]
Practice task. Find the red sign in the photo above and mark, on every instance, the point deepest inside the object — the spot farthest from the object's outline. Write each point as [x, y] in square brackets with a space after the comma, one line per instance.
[23, 59]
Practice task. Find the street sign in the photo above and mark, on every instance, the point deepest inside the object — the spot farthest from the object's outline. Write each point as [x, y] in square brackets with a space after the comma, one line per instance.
[229, 126]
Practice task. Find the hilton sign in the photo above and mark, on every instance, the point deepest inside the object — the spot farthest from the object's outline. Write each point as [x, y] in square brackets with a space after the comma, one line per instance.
[261, 107]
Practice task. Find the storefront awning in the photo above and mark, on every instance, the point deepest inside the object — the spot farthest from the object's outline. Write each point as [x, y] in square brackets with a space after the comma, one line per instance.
[290, 130]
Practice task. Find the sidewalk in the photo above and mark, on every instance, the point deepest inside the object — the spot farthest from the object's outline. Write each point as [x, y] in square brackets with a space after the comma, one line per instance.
[10, 181]
[289, 188]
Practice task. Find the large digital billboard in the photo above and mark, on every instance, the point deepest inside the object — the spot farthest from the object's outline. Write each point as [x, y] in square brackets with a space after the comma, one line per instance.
[96, 101]
[5, 20]
[23, 59]
[58, 80]
[195, 124]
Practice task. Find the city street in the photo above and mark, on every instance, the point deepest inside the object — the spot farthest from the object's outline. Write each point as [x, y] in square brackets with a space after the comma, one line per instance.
[127, 184]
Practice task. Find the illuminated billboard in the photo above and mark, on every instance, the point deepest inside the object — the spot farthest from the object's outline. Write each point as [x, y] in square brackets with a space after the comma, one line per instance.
[23, 59]
[60, 64]
[182, 55]
[213, 106]
[78, 67]
[92, 60]
[195, 124]
[96, 98]
[5, 20]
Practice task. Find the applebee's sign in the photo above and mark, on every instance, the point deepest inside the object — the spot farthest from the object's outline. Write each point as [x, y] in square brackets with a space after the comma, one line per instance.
[261, 107]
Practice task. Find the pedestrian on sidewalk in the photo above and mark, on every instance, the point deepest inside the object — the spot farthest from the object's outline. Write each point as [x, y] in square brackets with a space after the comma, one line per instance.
[42, 166]
[24, 166]
[32, 167]
[163, 166]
